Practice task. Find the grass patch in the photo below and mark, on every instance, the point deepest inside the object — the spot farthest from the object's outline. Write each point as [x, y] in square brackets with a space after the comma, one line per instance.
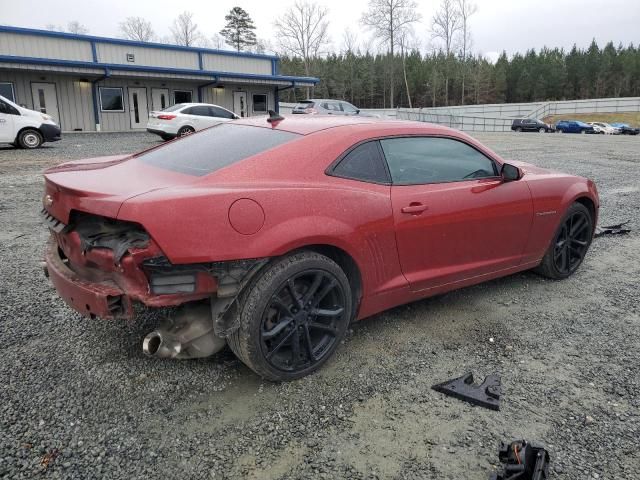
[632, 118]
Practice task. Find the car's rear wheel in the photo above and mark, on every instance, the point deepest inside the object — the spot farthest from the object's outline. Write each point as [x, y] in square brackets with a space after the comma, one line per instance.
[583, 132]
[570, 244]
[30, 138]
[293, 316]
[184, 131]
[518, 129]
[542, 130]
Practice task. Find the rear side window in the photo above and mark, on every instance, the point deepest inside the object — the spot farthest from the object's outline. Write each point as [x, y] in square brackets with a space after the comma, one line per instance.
[215, 148]
[363, 163]
[423, 160]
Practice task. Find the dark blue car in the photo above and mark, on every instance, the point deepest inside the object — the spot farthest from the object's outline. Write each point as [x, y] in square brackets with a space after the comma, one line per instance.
[573, 126]
[626, 129]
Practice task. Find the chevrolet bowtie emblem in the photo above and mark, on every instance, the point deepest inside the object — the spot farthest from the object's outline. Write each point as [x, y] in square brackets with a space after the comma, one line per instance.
[47, 200]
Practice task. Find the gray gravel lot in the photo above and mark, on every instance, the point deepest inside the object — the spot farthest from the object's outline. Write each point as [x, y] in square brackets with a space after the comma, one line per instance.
[79, 399]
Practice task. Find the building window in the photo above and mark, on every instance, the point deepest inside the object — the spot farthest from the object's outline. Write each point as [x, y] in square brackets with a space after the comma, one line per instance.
[259, 103]
[6, 90]
[111, 99]
[182, 96]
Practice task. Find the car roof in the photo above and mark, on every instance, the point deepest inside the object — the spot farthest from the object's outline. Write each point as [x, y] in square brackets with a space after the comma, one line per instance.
[195, 104]
[308, 124]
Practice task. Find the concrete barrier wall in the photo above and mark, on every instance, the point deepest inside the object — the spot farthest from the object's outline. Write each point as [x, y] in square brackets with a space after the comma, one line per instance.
[498, 117]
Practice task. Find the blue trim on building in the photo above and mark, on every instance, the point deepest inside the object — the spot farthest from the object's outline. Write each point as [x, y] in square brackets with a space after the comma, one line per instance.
[139, 68]
[94, 95]
[132, 43]
[94, 52]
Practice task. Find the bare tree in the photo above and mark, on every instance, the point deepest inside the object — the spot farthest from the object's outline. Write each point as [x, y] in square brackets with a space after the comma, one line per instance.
[389, 20]
[349, 41]
[75, 26]
[137, 28]
[466, 8]
[217, 41]
[444, 26]
[185, 30]
[303, 31]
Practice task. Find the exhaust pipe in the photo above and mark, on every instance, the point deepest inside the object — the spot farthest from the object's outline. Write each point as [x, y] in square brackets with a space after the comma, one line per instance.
[187, 334]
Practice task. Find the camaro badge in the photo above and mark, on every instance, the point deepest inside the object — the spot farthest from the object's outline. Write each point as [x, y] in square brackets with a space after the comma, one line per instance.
[47, 200]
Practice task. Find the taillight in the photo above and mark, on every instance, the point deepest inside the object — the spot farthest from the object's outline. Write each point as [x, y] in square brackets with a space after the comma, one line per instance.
[166, 117]
[310, 110]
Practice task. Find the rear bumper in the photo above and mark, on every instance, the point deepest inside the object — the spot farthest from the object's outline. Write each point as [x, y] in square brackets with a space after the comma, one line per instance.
[50, 133]
[162, 133]
[91, 299]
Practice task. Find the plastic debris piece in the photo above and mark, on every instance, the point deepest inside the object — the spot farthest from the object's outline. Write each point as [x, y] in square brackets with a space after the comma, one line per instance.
[522, 461]
[486, 395]
[617, 229]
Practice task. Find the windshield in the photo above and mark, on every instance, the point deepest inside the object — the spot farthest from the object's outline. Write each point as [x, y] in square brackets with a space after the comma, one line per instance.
[214, 148]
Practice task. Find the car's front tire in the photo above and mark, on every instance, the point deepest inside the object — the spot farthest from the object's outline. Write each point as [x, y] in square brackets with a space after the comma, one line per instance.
[542, 130]
[570, 244]
[30, 138]
[292, 316]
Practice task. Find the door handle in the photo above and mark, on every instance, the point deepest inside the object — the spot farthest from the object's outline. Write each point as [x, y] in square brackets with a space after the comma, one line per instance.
[414, 208]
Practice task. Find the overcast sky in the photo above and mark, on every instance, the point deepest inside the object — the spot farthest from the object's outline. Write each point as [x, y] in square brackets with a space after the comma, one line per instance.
[498, 25]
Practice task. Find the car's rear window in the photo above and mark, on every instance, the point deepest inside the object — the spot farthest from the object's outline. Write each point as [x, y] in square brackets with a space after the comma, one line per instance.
[304, 104]
[217, 147]
[175, 107]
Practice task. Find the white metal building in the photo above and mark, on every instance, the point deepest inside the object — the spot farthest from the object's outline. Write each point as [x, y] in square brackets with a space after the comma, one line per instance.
[92, 83]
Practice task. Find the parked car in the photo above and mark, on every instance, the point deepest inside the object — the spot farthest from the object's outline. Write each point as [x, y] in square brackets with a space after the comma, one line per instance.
[531, 125]
[574, 126]
[25, 128]
[276, 256]
[185, 118]
[328, 107]
[604, 128]
[626, 129]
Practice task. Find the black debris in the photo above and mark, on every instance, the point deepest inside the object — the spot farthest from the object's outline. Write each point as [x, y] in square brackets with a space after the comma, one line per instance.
[522, 461]
[487, 394]
[617, 229]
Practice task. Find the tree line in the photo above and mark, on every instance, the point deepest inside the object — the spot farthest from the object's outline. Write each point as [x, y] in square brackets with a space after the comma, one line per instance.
[438, 79]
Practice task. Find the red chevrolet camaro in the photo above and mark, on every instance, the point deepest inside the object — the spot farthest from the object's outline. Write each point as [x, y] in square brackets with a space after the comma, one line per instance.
[272, 235]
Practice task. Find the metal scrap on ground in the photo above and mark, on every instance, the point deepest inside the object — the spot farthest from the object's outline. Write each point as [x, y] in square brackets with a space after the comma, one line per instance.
[487, 394]
[617, 229]
[522, 461]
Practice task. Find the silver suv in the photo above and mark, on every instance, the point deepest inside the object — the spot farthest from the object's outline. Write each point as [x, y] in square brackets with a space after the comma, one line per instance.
[322, 106]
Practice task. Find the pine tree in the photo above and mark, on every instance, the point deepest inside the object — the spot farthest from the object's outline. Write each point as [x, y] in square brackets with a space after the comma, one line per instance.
[239, 30]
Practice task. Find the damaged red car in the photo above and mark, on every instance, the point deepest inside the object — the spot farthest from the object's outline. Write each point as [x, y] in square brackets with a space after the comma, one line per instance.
[272, 235]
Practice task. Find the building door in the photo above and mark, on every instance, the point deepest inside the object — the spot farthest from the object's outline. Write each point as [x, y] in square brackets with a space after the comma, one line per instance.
[138, 107]
[240, 104]
[159, 98]
[45, 99]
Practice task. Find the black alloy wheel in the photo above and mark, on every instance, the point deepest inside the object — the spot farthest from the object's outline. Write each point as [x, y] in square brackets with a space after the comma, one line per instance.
[572, 242]
[292, 316]
[300, 324]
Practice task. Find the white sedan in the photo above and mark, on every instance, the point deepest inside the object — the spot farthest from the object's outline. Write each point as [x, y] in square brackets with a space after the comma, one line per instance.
[601, 127]
[185, 118]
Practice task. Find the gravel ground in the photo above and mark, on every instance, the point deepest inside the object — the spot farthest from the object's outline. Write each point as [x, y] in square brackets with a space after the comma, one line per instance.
[79, 399]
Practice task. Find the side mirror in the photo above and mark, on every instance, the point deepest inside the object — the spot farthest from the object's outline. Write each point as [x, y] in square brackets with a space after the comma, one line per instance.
[510, 173]
[357, 111]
